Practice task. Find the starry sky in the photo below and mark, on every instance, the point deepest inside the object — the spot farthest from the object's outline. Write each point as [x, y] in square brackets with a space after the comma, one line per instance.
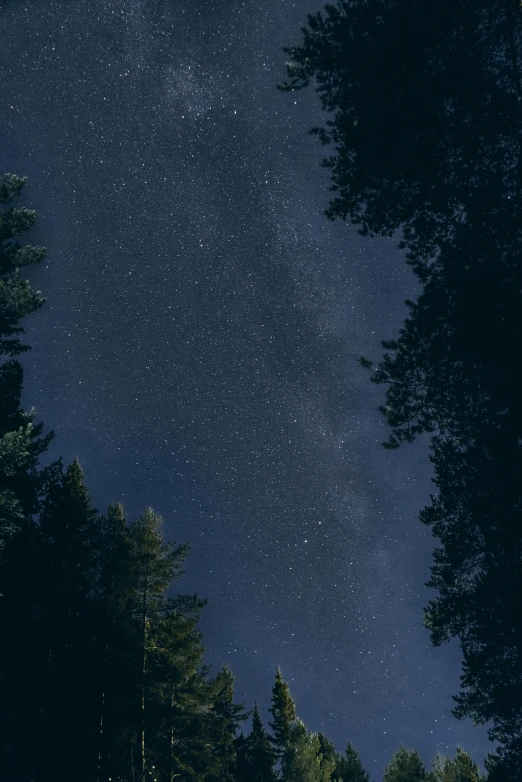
[198, 349]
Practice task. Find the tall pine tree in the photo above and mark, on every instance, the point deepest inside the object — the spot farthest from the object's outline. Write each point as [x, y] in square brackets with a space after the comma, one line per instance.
[21, 443]
[303, 760]
[156, 565]
[349, 767]
[116, 645]
[405, 767]
[283, 715]
[255, 753]
[68, 539]
[461, 769]
[180, 697]
[224, 722]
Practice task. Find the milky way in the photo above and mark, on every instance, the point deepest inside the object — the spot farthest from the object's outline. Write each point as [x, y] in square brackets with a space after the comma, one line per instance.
[198, 348]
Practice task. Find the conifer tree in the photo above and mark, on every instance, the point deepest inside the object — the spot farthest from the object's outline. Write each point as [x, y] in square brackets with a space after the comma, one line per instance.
[68, 540]
[50, 569]
[225, 719]
[303, 760]
[405, 767]
[21, 443]
[465, 769]
[461, 769]
[156, 565]
[242, 771]
[405, 85]
[22, 486]
[442, 769]
[283, 714]
[179, 695]
[255, 754]
[349, 767]
[17, 298]
[116, 644]
[101, 662]
[327, 748]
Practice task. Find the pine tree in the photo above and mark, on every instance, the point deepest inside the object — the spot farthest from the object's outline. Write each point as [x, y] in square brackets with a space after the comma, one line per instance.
[21, 443]
[116, 644]
[180, 696]
[156, 565]
[461, 769]
[255, 754]
[17, 298]
[242, 771]
[349, 767]
[442, 769]
[302, 760]
[156, 703]
[225, 719]
[405, 767]
[68, 540]
[23, 485]
[465, 769]
[48, 606]
[326, 747]
[283, 714]
[404, 84]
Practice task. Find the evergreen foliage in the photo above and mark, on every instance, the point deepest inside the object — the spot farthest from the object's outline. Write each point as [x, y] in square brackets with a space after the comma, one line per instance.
[226, 717]
[67, 540]
[425, 135]
[327, 750]
[461, 769]
[21, 443]
[283, 715]
[349, 768]
[255, 754]
[181, 733]
[155, 565]
[22, 486]
[405, 767]
[116, 647]
[17, 297]
[303, 760]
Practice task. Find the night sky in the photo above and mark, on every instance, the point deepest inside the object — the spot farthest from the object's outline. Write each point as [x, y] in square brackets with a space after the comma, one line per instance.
[198, 349]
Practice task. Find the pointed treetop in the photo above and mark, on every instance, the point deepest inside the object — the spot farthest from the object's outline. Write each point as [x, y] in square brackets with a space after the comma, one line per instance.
[10, 187]
[257, 721]
[405, 767]
[349, 767]
[283, 713]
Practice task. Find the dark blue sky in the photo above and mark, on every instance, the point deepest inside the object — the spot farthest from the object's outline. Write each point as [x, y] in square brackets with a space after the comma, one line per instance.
[197, 349]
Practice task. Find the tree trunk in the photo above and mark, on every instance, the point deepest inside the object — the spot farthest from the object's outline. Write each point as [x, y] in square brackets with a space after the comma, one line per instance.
[39, 723]
[171, 733]
[102, 712]
[143, 665]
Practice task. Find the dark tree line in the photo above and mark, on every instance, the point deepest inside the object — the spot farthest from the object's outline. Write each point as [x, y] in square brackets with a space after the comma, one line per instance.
[424, 129]
[104, 676]
[101, 669]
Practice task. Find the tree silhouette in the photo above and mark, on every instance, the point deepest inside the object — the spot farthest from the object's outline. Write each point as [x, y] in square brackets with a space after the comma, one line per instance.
[405, 767]
[349, 767]
[425, 132]
[255, 754]
[21, 443]
[283, 715]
